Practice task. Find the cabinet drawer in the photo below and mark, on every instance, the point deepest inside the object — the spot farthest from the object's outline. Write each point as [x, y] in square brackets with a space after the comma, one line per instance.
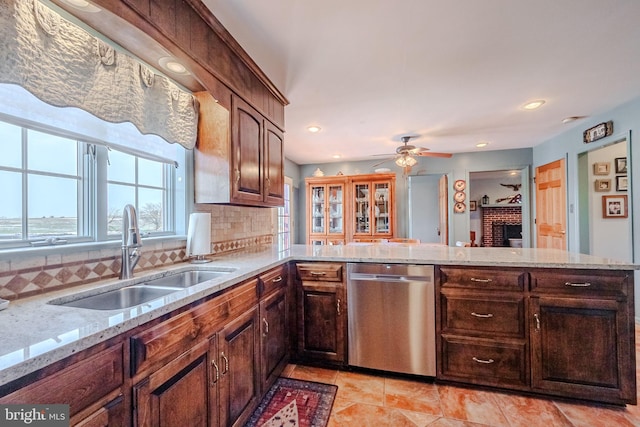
[273, 280]
[484, 361]
[483, 315]
[79, 385]
[581, 282]
[180, 333]
[483, 278]
[320, 271]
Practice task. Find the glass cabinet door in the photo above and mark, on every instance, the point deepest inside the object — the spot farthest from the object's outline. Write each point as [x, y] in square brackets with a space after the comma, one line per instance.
[336, 209]
[381, 208]
[318, 220]
[362, 212]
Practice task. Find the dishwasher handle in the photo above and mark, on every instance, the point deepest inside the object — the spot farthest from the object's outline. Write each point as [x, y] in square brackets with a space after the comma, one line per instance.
[389, 278]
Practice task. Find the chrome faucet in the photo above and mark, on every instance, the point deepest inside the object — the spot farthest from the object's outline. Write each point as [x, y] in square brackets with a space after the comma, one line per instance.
[130, 240]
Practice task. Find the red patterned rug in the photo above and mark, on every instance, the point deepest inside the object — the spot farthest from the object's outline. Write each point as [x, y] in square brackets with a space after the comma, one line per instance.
[294, 403]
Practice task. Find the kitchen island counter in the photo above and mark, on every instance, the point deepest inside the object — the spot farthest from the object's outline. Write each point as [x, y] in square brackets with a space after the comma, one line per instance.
[35, 333]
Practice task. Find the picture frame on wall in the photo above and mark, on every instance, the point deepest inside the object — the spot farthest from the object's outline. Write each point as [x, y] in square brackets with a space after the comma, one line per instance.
[621, 164]
[602, 185]
[622, 183]
[601, 168]
[473, 205]
[614, 206]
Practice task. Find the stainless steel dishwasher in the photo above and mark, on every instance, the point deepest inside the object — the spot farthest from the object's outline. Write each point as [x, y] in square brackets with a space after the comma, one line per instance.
[391, 311]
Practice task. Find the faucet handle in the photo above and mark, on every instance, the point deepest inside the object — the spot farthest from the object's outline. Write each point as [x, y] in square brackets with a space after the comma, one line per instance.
[134, 238]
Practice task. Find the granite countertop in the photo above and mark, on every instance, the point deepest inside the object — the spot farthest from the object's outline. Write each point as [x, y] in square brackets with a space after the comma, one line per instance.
[35, 334]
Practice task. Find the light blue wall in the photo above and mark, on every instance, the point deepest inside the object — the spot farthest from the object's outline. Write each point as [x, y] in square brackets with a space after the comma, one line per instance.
[457, 167]
[626, 124]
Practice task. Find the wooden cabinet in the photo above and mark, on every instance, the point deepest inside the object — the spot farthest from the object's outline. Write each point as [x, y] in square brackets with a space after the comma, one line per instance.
[322, 317]
[581, 329]
[326, 211]
[482, 336]
[559, 332]
[372, 206]
[274, 321]
[92, 386]
[343, 209]
[239, 158]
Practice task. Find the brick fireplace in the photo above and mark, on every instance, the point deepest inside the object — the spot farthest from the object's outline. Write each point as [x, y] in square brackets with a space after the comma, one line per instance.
[499, 223]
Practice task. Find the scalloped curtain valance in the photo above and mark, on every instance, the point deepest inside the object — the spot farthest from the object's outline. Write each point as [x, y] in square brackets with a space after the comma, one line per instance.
[63, 65]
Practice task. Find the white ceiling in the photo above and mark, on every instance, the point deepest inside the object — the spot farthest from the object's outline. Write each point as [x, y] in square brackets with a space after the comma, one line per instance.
[454, 72]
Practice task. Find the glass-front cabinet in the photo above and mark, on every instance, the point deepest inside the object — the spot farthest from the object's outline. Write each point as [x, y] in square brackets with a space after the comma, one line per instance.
[342, 209]
[325, 212]
[373, 213]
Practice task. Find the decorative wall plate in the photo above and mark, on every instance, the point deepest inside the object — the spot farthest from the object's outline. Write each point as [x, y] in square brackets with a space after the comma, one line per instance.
[459, 185]
[459, 207]
[459, 196]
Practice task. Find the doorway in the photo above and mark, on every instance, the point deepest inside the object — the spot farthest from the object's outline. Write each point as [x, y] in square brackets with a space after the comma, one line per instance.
[602, 186]
[426, 220]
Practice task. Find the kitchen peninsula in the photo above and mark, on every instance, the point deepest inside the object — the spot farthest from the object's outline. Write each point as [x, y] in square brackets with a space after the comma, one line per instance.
[534, 313]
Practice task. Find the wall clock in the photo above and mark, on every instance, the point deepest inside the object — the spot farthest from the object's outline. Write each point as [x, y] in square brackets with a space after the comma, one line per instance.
[459, 207]
[459, 185]
[459, 196]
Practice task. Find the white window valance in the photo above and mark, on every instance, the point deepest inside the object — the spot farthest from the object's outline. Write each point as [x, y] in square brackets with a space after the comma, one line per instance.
[63, 65]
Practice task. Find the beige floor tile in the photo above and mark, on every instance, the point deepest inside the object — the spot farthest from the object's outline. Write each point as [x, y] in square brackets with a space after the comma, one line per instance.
[412, 396]
[360, 388]
[595, 416]
[311, 373]
[466, 404]
[522, 411]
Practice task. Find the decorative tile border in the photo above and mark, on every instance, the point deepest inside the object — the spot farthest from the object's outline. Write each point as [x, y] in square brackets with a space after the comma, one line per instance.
[35, 276]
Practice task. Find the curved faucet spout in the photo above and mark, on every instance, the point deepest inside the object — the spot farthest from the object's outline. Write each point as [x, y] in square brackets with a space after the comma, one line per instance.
[130, 240]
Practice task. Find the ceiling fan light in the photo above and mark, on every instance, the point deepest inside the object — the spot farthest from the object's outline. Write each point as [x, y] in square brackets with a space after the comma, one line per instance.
[406, 161]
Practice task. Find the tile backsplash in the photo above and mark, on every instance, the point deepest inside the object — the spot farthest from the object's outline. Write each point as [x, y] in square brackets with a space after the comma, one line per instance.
[233, 228]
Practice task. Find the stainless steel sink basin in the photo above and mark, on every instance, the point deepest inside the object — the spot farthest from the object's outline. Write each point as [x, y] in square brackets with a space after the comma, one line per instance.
[140, 293]
[120, 298]
[186, 278]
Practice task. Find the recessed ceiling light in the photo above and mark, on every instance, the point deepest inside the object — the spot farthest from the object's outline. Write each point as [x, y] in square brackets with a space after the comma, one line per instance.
[336, 156]
[171, 64]
[83, 5]
[482, 144]
[314, 129]
[534, 104]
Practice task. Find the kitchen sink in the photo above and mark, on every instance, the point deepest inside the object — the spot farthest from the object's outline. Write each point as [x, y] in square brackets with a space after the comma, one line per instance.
[142, 292]
[186, 278]
[120, 298]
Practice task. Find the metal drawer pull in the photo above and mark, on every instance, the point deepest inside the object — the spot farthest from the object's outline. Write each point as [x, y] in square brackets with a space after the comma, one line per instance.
[226, 364]
[578, 285]
[473, 279]
[537, 317]
[338, 306]
[317, 273]
[266, 326]
[486, 362]
[217, 376]
[277, 279]
[484, 316]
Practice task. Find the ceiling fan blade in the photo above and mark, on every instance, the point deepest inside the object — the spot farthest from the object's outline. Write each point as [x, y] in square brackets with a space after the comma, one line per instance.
[380, 155]
[384, 161]
[432, 154]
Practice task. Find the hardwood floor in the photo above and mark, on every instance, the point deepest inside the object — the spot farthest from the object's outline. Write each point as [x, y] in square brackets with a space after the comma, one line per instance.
[367, 400]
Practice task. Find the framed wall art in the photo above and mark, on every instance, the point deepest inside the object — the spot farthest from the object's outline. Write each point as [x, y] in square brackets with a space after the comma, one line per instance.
[614, 206]
[602, 185]
[621, 164]
[473, 205]
[601, 168]
[622, 183]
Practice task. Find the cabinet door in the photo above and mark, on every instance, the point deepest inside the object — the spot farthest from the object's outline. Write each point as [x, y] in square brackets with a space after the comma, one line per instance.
[361, 209]
[273, 316]
[317, 210]
[246, 154]
[322, 324]
[181, 393]
[382, 203]
[335, 210]
[239, 368]
[111, 414]
[581, 348]
[273, 165]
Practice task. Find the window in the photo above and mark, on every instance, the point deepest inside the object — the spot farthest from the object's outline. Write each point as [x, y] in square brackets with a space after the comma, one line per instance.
[59, 189]
[284, 218]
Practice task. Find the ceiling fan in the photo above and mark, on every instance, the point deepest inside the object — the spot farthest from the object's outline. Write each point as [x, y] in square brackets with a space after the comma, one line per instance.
[405, 154]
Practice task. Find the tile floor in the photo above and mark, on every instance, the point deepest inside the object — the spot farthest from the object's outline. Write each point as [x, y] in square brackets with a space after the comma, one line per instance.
[367, 400]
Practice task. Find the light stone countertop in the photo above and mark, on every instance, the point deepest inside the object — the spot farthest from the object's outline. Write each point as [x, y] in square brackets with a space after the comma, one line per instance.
[34, 334]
